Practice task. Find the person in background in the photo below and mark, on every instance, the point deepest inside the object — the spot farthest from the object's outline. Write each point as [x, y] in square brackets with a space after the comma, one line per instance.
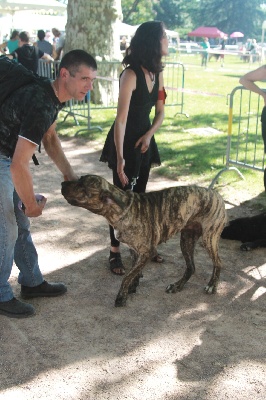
[123, 44]
[205, 53]
[248, 81]
[59, 44]
[28, 117]
[141, 88]
[222, 47]
[43, 44]
[28, 55]
[253, 51]
[11, 44]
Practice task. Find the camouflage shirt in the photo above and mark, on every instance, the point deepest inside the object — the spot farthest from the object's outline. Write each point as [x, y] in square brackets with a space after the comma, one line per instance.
[28, 112]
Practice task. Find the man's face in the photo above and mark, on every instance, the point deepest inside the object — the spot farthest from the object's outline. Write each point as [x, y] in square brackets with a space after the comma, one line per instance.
[78, 86]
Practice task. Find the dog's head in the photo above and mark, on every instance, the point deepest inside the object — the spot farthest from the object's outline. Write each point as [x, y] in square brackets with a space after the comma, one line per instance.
[96, 195]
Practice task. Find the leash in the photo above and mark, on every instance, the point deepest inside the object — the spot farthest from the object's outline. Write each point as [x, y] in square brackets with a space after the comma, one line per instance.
[138, 159]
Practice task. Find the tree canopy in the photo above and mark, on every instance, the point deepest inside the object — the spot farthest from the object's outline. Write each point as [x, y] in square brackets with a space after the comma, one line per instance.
[245, 16]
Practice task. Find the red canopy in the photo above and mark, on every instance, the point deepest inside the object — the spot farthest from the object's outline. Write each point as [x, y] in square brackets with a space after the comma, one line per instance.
[209, 32]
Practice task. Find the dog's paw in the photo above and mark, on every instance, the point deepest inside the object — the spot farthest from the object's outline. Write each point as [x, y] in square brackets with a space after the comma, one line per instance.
[120, 301]
[246, 246]
[210, 289]
[132, 289]
[174, 287]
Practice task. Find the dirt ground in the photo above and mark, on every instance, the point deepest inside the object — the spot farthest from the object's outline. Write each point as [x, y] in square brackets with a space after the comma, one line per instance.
[184, 346]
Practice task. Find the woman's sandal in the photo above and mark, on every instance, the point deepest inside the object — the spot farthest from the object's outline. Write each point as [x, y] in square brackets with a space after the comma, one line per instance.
[115, 263]
[158, 258]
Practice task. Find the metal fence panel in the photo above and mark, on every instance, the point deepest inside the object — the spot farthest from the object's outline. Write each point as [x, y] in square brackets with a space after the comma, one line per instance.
[106, 88]
[245, 147]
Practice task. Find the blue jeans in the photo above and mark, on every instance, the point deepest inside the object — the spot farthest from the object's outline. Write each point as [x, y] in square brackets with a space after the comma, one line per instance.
[15, 238]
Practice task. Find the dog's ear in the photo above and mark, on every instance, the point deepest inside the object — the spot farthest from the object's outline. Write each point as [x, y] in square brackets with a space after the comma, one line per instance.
[112, 198]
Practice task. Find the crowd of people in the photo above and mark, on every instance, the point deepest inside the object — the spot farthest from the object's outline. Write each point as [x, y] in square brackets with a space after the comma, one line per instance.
[48, 46]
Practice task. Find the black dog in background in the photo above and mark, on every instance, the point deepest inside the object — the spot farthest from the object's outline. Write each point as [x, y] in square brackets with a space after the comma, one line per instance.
[251, 231]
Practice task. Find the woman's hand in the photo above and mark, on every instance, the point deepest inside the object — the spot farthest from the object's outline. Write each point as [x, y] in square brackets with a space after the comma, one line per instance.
[144, 143]
[121, 174]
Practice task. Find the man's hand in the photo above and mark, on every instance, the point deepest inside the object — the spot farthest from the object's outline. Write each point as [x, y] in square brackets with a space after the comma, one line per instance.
[35, 209]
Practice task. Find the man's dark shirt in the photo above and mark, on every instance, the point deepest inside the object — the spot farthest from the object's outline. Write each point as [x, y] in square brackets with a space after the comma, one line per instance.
[28, 56]
[28, 112]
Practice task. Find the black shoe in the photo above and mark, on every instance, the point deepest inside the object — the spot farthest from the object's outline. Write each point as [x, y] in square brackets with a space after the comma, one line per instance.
[45, 289]
[16, 309]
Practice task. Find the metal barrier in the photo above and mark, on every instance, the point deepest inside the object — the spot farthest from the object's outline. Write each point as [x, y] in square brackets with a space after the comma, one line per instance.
[106, 89]
[108, 79]
[48, 69]
[174, 81]
[245, 148]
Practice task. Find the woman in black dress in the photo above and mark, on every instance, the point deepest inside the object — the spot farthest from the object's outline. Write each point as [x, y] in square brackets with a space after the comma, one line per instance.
[141, 88]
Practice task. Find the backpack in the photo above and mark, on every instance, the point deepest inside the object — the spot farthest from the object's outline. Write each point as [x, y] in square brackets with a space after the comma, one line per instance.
[13, 76]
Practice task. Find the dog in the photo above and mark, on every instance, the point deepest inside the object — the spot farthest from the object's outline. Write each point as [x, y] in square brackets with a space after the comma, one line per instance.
[143, 221]
[251, 231]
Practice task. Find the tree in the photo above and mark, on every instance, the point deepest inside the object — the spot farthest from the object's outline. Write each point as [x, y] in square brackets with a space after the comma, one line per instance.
[171, 12]
[136, 12]
[91, 26]
[229, 15]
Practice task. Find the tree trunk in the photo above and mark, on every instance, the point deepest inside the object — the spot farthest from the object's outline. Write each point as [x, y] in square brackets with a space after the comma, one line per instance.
[92, 25]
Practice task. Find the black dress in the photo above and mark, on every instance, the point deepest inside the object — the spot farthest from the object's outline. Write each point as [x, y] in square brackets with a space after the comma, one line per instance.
[138, 123]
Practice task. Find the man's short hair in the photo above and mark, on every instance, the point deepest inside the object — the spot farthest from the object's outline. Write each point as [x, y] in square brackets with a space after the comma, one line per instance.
[75, 58]
[24, 36]
[41, 34]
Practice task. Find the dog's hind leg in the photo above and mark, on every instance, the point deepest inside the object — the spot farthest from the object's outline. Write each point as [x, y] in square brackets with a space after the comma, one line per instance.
[211, 243]
[188, 240]
[130, 281]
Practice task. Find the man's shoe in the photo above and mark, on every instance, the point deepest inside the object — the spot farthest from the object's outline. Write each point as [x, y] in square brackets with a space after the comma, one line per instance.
[45, 289]
[16, 309]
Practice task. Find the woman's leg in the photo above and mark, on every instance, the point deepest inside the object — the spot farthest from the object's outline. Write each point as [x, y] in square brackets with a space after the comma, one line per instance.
[115, 261]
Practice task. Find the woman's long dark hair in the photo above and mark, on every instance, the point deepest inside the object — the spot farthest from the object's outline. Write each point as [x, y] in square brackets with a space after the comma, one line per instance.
[145, 47]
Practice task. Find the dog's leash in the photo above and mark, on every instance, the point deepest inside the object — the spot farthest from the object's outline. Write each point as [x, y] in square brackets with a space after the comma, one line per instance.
[138, 159]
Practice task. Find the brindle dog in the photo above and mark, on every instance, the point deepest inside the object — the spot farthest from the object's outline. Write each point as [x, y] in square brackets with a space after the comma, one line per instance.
[142, 221]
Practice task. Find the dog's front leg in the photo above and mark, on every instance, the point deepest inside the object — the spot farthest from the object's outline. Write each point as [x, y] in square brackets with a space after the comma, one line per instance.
[129, 282]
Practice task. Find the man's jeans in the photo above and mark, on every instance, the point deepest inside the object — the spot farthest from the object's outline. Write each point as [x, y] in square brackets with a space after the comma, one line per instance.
[15, 238]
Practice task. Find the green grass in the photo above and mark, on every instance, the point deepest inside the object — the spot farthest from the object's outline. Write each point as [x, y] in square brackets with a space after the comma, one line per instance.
[185, 155]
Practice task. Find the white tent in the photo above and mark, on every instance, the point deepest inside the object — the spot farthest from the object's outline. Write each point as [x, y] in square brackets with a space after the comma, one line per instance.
[129, 30]
[31, 15]
[42, 6]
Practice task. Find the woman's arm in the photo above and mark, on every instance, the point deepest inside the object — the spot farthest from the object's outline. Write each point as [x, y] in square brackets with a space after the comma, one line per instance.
[157, 121]
[47, 57]
[248, 81]
[2, 47]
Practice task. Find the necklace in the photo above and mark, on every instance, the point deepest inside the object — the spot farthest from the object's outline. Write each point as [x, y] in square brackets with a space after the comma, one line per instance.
[152, 77]
[55, 90]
